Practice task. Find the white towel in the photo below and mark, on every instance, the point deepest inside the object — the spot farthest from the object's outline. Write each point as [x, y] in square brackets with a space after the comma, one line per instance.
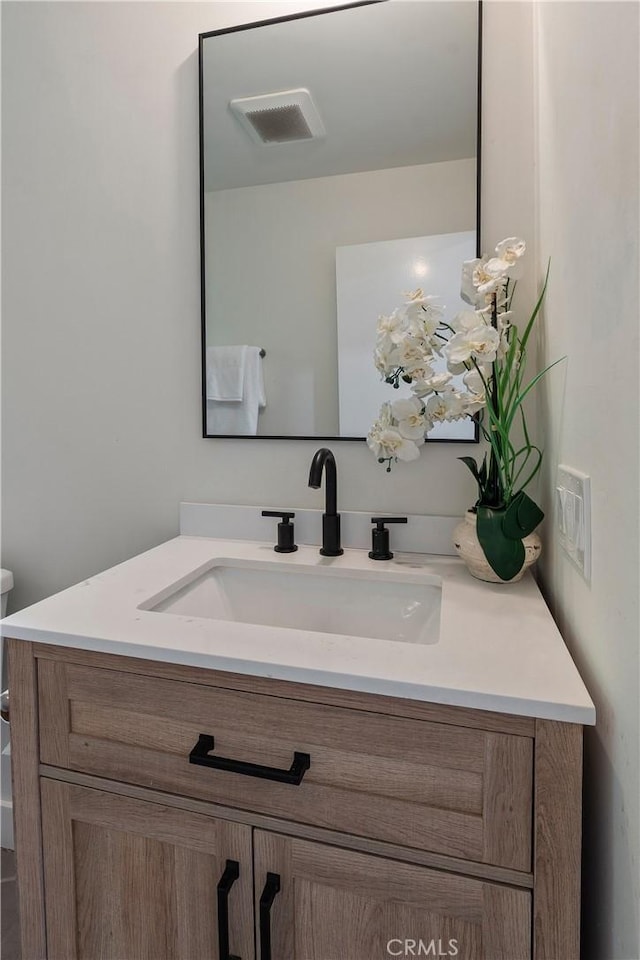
[240, 417]
[225, 373]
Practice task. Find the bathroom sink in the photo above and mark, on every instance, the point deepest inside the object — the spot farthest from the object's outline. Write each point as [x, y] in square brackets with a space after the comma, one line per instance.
[334, 600]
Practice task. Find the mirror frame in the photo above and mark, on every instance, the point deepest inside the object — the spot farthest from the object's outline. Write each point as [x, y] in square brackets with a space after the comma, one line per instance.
[303, 15]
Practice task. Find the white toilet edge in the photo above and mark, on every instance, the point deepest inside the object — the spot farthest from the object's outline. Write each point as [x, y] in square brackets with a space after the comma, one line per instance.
[6, 581]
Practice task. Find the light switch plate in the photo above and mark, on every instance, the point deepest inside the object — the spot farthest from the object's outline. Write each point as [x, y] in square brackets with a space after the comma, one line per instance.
[573, 511]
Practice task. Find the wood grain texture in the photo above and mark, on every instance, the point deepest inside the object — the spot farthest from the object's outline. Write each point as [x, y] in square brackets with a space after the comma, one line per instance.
[557, 840]
[506, 923]
[55, 723]
[301, 830]
[449, 788]
[403, 781]
[348, 906]
[135, 880]
[372, 815]
[26, 790]
[508, 786]
[59, 872]
[354, 700]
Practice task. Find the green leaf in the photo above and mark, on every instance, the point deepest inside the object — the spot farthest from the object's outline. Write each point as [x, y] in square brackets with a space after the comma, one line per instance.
[482, 473]
[536, 309]
[521, 517]
[472, 465]
[478, 474]
[504, 555]
[519, 399]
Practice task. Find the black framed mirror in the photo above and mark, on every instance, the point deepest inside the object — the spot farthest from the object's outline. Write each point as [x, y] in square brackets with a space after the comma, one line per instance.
[339, 168]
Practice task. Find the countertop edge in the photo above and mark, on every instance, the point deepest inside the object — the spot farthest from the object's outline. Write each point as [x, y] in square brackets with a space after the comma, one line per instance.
[467, 699]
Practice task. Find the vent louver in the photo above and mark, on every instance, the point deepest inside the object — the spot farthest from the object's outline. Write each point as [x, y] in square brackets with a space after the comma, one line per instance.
[282, 117]
[280, 124]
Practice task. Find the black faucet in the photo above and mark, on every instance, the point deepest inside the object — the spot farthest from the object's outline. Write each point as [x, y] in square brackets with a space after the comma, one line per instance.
[323, 458]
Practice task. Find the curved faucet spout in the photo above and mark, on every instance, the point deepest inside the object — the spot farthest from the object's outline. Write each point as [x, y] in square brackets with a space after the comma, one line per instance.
[324, 459]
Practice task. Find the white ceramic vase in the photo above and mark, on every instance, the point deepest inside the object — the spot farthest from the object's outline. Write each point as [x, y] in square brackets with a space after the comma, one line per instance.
[465, 540]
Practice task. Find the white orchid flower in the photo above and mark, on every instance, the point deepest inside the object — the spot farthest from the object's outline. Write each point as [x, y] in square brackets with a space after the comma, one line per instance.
[414, 296]
[467, 320]
[384, 422]
[507, 259]
[404, 408]
[484, 343]
[435, 384]
[473, 380]
[417, 299]
[387, 442]
[511, 249]
[473, 403]
[410, 416]
[481, 278]
[385, 358]
[488, 276]
[423, 314]
[410, 340]
[458, 350]
[391, 326]
[446, 406]
[411, 354]
[423, 324]
[479, 343]
[419, 373]
[398, 446]
[500, 270]
[421, 388]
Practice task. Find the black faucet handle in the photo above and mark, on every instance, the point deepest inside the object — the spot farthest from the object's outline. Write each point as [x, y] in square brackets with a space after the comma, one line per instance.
[382, 520]
[380, 537]
[286, 542]
[286, 516]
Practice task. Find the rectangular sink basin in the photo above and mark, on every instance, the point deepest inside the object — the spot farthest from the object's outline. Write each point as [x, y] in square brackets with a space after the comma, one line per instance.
[333, 601]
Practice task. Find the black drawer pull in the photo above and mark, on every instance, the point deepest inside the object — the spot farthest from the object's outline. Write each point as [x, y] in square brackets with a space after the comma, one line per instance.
[271, 888]
[200, 755]
[227, 880]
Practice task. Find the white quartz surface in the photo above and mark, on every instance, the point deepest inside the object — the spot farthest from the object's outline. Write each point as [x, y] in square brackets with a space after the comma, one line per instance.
[499, 648]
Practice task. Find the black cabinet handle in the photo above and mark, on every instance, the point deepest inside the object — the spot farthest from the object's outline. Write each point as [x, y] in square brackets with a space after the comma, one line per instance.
[271, 888]
[200, 756]
[227, 880]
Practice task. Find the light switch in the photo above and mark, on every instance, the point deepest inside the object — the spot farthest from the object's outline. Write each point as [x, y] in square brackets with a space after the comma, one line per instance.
[573, 510]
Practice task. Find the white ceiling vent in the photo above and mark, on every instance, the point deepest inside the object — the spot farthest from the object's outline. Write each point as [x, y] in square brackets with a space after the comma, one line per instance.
[279, 117]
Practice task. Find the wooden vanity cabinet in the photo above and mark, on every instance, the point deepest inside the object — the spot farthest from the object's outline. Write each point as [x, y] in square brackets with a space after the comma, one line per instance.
[126, 878]
[413, 830]
[337, 904]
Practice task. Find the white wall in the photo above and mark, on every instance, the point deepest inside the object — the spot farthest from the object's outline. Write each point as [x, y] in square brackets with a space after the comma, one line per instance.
[279, 241]
[101, 354]
[588, 82]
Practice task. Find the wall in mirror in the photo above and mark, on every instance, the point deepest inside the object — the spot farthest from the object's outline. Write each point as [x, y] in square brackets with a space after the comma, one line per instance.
[339, 170]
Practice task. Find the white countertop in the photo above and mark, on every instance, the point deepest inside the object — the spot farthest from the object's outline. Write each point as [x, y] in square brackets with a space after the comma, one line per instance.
[499, 648]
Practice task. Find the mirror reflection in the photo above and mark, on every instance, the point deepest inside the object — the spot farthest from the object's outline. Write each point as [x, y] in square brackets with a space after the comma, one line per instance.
[338, 171]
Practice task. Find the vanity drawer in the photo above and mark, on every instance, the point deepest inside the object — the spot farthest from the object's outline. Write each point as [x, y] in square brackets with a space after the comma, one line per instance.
[449, 789]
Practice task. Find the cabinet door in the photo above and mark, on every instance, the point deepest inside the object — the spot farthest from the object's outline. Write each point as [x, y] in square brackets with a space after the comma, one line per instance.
[133, 880]
[315, 902]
